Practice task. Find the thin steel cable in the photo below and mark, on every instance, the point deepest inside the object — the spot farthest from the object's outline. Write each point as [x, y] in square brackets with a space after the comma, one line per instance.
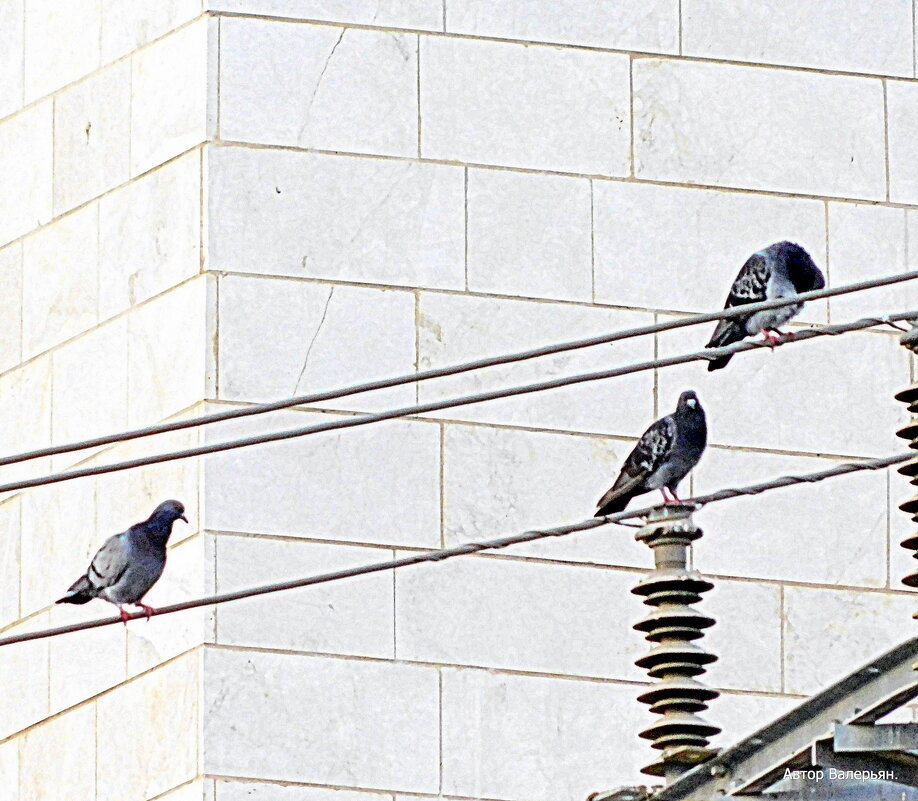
[449, 403]
[456, 369]
[469, 547]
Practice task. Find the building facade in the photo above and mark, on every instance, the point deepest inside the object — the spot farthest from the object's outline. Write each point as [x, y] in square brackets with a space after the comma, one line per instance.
[209, 203]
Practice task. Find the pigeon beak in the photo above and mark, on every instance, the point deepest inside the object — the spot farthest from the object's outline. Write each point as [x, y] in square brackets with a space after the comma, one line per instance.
[182, 517]
[692, 402]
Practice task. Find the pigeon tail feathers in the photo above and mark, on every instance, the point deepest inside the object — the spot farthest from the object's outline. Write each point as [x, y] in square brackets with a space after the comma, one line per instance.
[80, 592]
[619, 496]
[726, 333]
[613, 505]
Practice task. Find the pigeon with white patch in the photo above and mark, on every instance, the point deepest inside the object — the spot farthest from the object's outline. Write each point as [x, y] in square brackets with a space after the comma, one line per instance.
[779, 271]
[128, 564]
[664, 455]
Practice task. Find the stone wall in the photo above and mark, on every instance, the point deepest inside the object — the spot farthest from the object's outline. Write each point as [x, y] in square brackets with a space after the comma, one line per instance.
[208, 204]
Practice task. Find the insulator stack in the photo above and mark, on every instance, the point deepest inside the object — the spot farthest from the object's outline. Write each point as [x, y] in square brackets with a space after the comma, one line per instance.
[910, 468]
[674, 659]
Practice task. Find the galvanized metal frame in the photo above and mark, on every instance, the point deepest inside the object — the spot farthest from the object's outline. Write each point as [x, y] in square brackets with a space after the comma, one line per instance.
[758, 761]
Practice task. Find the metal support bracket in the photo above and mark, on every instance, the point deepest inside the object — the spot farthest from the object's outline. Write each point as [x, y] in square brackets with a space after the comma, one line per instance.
[856, 737]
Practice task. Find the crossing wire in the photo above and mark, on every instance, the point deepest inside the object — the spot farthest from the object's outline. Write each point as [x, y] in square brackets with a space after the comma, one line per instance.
[456, 369]
[450, 403]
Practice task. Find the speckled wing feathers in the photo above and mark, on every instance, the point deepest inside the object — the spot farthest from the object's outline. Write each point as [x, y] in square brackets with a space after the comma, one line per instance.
[751, 284]
[650, 452]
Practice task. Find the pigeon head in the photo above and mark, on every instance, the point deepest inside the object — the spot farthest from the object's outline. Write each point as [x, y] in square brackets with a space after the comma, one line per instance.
[164, 516]
[688, 401]
[801, 269]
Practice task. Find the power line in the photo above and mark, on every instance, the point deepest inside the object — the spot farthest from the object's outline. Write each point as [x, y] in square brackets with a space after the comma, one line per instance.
[456, 369]
[449, 403]
[469, 548]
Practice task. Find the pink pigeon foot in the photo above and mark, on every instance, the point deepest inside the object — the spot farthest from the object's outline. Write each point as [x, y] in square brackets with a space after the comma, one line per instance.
[667, 500]
[149, 611]
[772, 336]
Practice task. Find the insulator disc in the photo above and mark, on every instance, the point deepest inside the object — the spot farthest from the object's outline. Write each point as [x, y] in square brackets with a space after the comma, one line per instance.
[683, 584]
[680, 704]
[909, 395]
[662, 633]
[683, 617]
[681, 728]
[675, 653]
[686, 688]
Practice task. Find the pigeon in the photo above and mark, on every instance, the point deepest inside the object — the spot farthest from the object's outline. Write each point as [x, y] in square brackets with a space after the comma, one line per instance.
[128, 564]
[779, 271]
[664, 455]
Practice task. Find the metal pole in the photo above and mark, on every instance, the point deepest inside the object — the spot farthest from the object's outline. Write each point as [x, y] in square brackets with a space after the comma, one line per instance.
[674, 660]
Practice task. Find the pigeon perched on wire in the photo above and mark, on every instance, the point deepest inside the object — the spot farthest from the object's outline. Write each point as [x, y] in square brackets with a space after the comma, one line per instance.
[128, 564]
[664, 455]
[779, 271]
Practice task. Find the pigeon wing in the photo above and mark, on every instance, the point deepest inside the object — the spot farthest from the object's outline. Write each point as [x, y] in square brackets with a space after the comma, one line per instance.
[750, 286]
[651, 451]
[751, 282]
[109, 563]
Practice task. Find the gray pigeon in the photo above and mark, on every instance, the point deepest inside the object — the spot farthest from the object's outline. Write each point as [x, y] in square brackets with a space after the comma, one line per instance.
[664, 455]
[128, 564]
[779, 271]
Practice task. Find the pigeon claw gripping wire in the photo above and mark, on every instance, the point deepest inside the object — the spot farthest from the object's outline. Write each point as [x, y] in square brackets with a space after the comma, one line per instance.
[773, 337]
[674, 660]
[149, 611]
[671, 499]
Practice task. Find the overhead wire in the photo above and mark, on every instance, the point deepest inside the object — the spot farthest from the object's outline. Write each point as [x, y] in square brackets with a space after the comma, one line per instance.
[449, 403]
[456, 369]
[467, 548]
